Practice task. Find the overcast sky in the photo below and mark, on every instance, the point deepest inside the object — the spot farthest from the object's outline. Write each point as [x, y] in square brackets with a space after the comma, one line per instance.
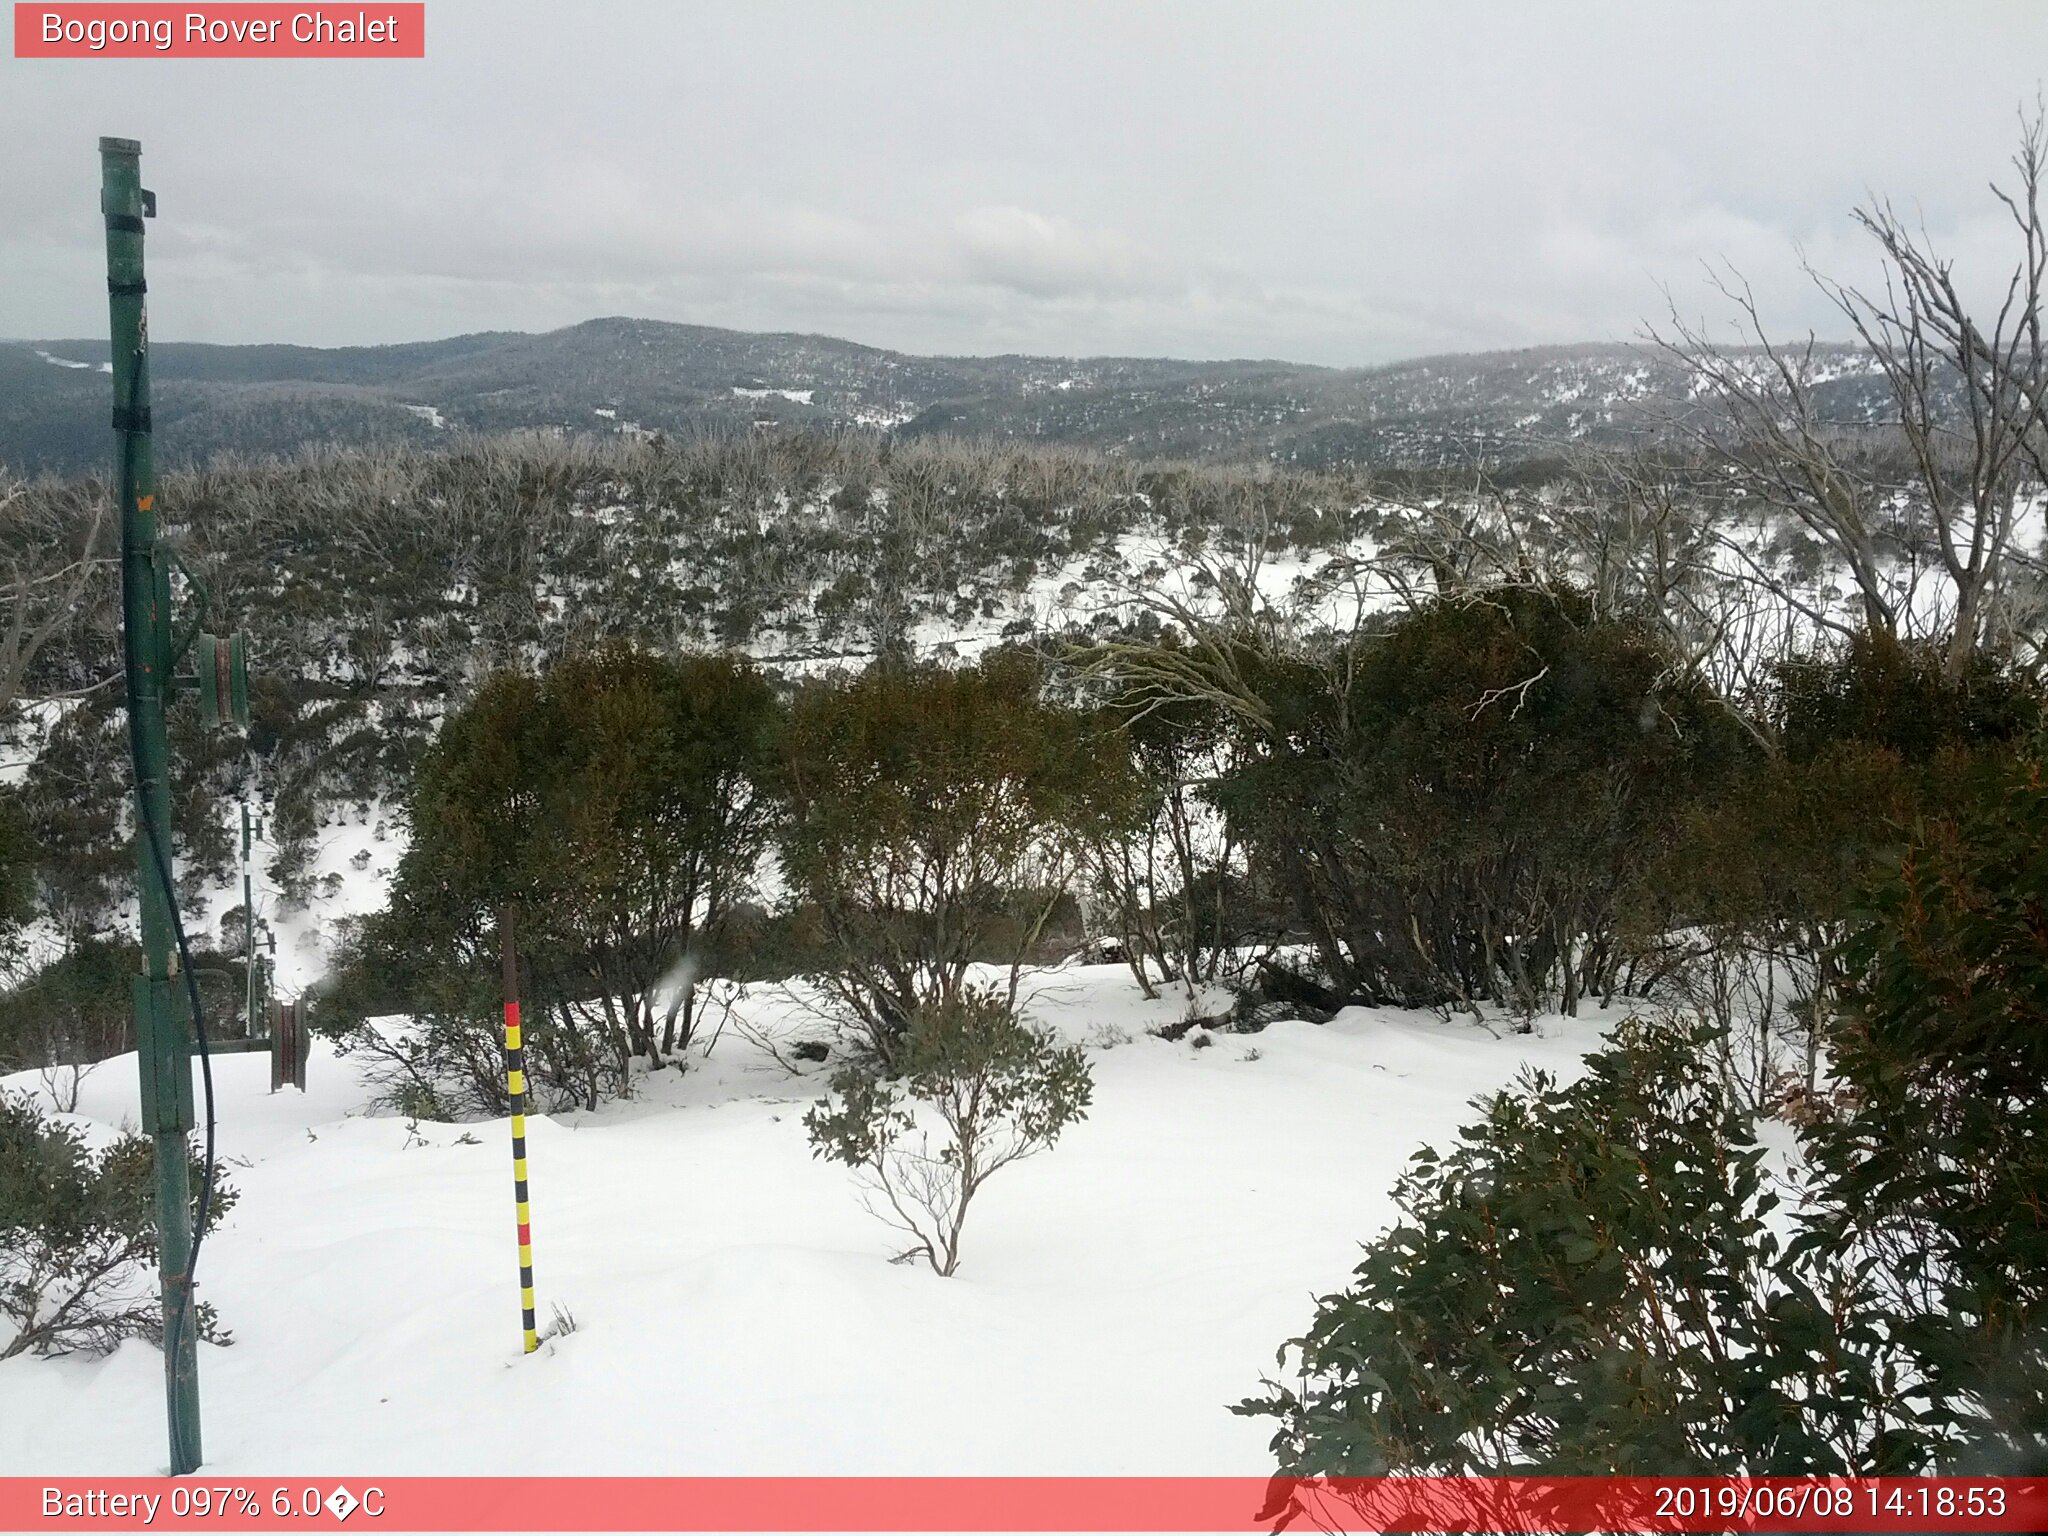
[1335, 183]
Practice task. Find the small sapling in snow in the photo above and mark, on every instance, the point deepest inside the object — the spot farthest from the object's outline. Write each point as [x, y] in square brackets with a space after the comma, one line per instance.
[999, 1091]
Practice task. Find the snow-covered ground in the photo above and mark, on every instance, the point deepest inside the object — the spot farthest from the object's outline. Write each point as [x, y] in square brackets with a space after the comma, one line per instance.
[736, 1311]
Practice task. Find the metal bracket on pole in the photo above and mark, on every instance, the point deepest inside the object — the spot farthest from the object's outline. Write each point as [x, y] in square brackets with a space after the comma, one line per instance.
[166, 1069]
[223, 677]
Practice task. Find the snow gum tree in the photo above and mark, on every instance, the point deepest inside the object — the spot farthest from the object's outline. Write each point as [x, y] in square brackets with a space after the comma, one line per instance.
[1169, 873]
[1458, 800]
[621, 803]
[934, 819]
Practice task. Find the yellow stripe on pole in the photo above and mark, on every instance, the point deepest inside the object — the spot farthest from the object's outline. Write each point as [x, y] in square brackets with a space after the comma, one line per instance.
[515, 1092]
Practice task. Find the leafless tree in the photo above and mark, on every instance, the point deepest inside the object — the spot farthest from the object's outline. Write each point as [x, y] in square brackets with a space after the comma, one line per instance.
[62, 1081]
[49, 559]
[1968, 405]
[1980, 458]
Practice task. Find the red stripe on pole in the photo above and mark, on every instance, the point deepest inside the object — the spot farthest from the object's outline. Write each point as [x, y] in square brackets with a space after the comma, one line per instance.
[974, 1504]
[525, 1232]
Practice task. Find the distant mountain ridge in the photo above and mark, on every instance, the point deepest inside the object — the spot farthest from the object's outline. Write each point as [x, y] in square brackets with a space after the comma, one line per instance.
[619, 374]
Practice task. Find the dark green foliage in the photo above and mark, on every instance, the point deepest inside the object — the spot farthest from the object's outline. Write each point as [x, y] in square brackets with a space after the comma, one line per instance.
[17, 876]
[74, 801]
[1871, 737]
[619, 804]
[1894, 695]
[1172, 881]
[73, 804]
[936, 818]
[79, 1008]
[1938, 1169]
[1753, 890]
[1459, 805]
[1585, 1284]
[1589, 1283]
[78, 1237]
[999, 1089]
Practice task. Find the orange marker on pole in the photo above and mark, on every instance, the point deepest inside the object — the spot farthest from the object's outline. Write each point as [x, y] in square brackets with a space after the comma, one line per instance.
[515, 1088]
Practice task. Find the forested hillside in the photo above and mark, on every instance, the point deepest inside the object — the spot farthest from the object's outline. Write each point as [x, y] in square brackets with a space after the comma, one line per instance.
[630, 376]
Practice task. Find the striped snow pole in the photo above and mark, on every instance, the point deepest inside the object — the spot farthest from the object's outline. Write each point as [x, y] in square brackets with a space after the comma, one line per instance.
[515, 1088]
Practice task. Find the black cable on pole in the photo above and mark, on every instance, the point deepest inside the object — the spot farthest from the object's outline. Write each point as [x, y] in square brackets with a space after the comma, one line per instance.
[152, 834]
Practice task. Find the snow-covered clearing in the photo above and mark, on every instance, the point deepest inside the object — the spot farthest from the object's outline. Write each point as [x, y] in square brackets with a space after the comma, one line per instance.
[736, 1309]
[65, 362]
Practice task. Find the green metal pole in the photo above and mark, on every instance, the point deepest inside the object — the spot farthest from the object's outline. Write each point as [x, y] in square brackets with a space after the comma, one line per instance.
[162, 1033]
[248, 934]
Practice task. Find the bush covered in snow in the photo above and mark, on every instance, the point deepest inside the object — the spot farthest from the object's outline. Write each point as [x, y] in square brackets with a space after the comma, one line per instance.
[78, 1238]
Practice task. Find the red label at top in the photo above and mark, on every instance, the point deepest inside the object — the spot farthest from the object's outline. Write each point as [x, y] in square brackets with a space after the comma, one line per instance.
[236, 31]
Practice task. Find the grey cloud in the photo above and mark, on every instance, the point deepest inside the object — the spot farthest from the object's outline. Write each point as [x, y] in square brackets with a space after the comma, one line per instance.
[1323, 180]
[1047, 256]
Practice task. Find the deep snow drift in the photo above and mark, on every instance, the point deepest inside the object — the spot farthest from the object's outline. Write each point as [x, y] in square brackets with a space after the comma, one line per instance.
[736, 1309]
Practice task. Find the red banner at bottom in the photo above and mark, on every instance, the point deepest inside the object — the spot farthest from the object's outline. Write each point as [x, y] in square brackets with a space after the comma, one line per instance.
[1139, 1504]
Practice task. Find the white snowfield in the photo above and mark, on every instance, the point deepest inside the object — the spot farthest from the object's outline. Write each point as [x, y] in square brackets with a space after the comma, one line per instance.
[736, 1309]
